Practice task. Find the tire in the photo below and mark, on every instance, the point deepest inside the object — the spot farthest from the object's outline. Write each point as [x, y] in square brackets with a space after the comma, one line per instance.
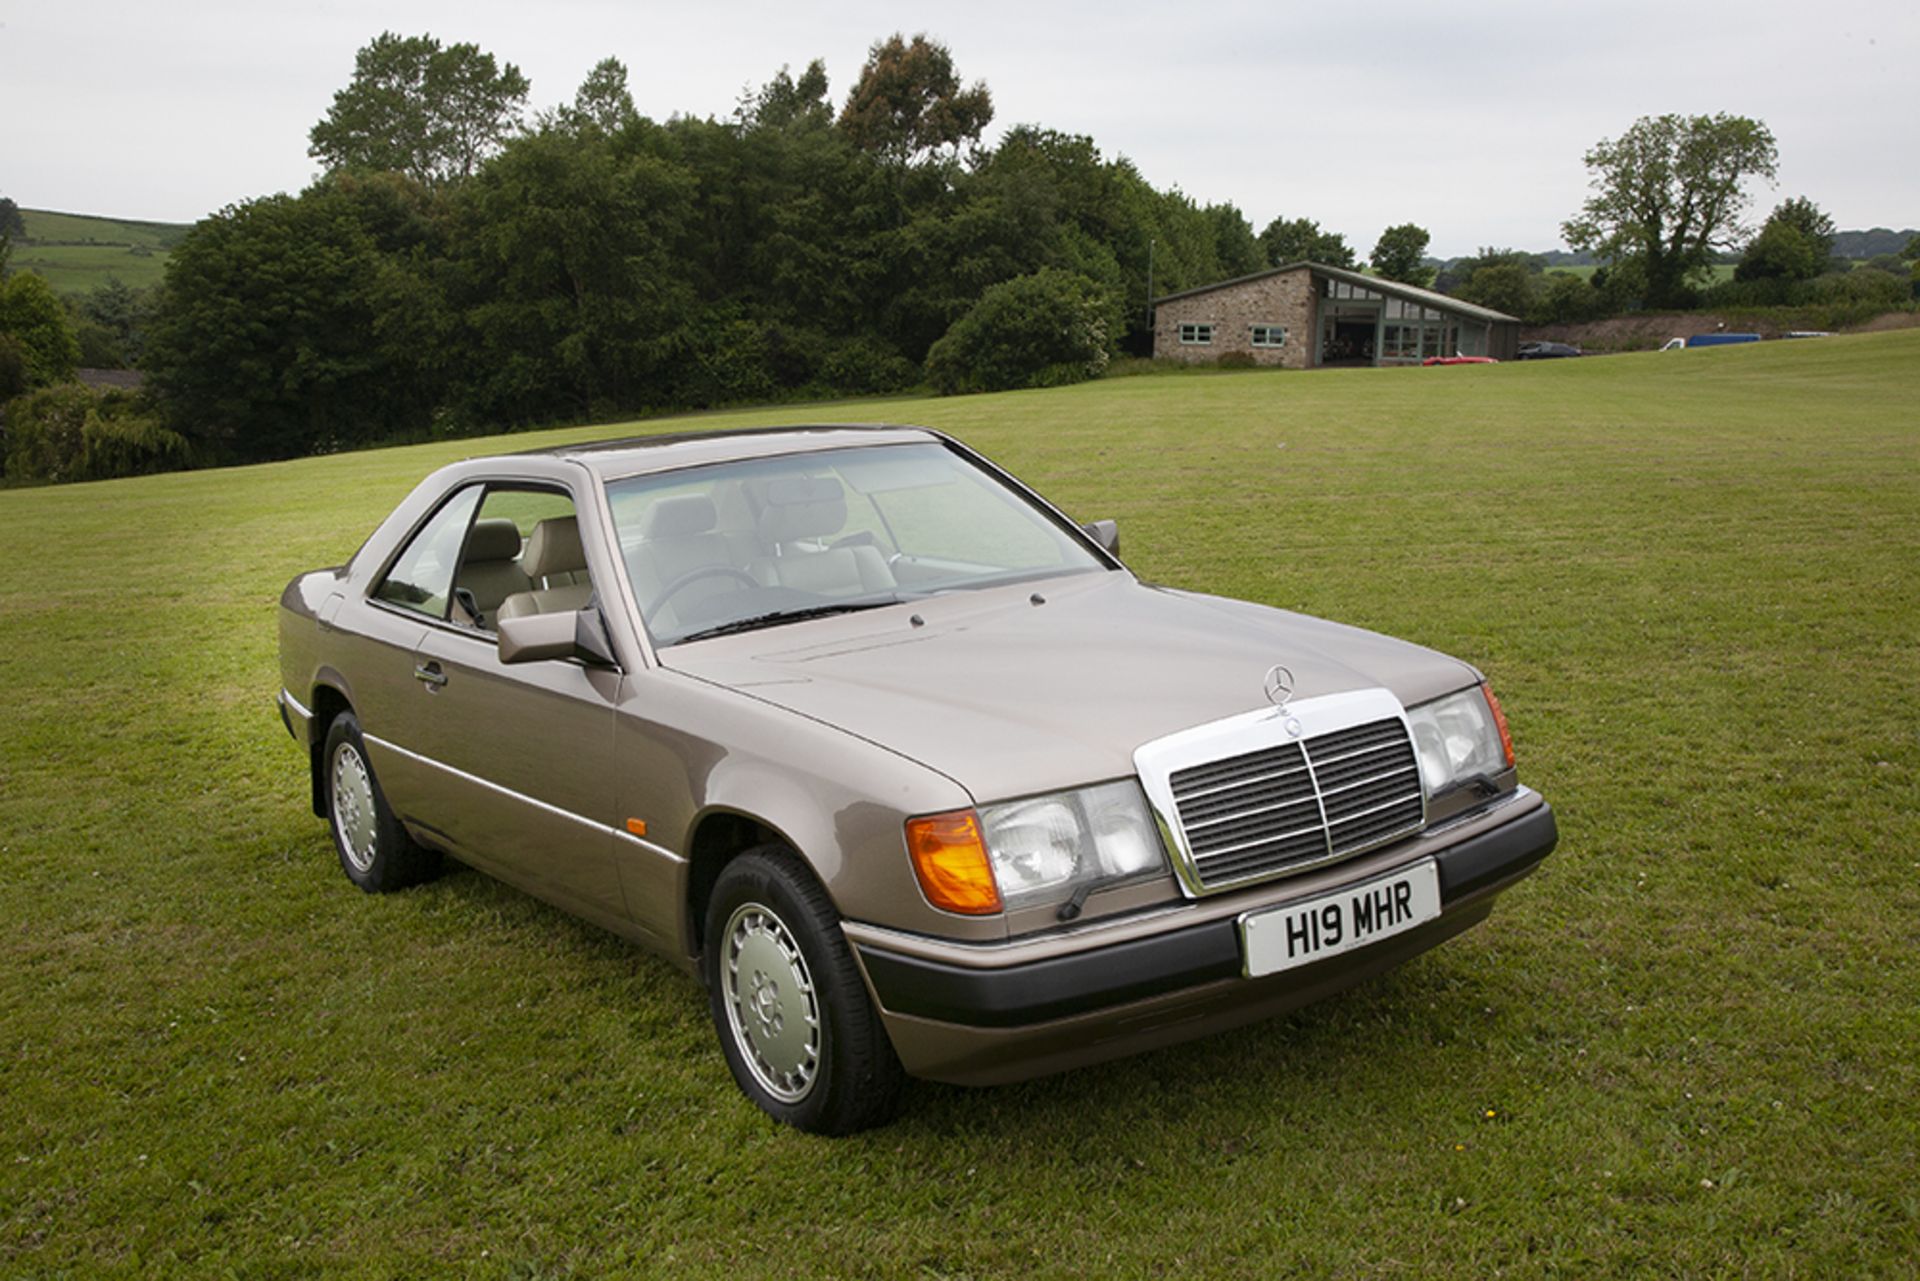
[801, 1037]
[375, 851]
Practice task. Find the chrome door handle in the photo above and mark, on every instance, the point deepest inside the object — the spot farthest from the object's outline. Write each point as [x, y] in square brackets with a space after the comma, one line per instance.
[430, 675]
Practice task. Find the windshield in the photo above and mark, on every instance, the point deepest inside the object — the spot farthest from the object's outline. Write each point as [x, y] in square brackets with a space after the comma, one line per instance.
[767, 541]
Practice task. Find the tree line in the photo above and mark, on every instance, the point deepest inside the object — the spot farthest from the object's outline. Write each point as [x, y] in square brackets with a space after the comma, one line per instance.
[463, 265]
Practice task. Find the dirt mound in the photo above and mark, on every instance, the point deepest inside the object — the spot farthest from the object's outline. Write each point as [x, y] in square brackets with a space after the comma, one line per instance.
[1641, 332]
[1892, 320]
[1650, 330]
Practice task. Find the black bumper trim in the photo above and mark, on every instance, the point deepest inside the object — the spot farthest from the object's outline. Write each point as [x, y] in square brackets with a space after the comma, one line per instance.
[1014, 996]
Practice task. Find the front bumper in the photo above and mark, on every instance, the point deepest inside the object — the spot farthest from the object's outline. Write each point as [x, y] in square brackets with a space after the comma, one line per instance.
[1000, 1017]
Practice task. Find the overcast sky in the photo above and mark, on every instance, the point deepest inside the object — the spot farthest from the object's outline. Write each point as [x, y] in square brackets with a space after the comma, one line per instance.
[1468, 119]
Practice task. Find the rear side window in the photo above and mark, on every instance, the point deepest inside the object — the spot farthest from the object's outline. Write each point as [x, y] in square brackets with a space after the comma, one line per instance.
[422, 578]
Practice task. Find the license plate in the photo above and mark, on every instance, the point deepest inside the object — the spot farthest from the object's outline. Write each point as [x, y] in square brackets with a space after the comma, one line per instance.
[1302, 933]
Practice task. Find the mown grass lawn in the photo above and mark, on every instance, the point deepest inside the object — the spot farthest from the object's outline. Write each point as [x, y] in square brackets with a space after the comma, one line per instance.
[1689, 1046]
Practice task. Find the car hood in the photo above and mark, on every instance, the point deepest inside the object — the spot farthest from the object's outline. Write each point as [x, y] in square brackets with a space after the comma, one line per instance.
[1017, 690]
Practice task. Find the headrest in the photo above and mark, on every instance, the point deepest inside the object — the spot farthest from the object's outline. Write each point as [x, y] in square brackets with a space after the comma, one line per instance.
[800, 507]
[680, 517]
[495, 538]
[554, 548]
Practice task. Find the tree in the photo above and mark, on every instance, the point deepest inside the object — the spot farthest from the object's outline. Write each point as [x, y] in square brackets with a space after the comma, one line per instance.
[1796, 243]
[1400, 254]
[575, 265]
[1668, 193]
[297, 325]
[1779, 252]
[121, 315]
[1506, 286]
[1568, 299]
[1041, 330]
[603, 101]
[416, 108]
[1454, 276]
[35, 322]
[1234, 245]
[1810, 221]
[12, 227]
[1301, 240]
[1506, 280]
[908, 102]
[784, 102]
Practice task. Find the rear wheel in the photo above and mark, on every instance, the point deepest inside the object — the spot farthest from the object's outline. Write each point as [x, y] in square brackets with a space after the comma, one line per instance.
[801, 1037]
[375, 851]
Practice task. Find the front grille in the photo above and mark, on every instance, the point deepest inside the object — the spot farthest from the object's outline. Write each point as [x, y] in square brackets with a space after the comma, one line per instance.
[1297, 805]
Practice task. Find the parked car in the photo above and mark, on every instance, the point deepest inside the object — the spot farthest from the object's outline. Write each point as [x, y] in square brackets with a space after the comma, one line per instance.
[905, 765]
[1547, 351]
[1722, 339]
[1459, 360]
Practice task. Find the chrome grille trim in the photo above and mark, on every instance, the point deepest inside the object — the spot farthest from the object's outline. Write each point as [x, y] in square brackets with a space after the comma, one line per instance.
[1277, 792]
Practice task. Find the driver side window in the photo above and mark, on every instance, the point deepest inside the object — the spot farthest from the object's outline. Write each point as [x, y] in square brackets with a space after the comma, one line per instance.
[422, 578]
[523, 557]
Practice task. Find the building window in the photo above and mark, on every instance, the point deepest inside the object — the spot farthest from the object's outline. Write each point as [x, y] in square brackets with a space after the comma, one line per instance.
[1341, 289]
[1196, 335]
[1269, 335]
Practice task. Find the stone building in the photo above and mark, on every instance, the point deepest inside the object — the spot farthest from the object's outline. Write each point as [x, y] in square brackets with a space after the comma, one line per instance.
[1307, 315]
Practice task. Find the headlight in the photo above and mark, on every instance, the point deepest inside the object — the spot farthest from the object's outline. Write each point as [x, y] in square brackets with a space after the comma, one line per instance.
[1459, 738]
[1048, 848]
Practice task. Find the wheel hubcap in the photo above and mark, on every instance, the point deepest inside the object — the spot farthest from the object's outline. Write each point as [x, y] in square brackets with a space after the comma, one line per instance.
[353, 814]
[770, 1003]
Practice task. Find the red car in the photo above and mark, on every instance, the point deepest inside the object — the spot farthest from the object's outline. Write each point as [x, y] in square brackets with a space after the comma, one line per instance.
[1459, 360]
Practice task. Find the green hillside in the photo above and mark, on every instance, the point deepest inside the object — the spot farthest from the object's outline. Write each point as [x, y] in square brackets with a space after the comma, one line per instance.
[1688, 1047]
[79, 252]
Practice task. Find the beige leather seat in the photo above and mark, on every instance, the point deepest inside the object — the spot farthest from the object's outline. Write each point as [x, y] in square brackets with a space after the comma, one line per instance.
[556, 567]
[491, 569]
[796, 516]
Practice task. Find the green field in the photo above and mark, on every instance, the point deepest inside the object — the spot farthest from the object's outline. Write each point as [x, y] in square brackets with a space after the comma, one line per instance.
[77, 253]
[1718, 273]
[1689, 1046]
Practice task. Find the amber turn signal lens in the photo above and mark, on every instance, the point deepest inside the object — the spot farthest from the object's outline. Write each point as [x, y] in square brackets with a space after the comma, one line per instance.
[951, 861]
[1500, 722]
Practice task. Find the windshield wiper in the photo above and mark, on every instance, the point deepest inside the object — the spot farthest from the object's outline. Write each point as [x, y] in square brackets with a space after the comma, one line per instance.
[775, 617]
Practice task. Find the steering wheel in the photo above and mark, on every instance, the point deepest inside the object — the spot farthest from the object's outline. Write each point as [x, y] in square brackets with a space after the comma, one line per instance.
[694, 575]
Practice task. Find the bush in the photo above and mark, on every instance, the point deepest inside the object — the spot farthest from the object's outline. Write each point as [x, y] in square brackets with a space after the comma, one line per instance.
[1042, 330]
[32, 315]
[1568, 299]
[732, 364]
[1236, 360]
[99, 346]
[13, 368]
[865, 366]
[68, 433]
[1844, 297]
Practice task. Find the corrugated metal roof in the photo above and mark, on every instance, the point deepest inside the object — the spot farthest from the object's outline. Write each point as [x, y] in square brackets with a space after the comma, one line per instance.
[1390, 288]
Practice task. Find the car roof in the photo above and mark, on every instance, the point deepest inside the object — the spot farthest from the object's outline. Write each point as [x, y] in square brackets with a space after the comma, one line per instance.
[671, 451]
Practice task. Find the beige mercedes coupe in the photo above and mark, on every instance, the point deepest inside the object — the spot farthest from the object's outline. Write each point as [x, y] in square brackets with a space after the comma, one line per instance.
[903, 763]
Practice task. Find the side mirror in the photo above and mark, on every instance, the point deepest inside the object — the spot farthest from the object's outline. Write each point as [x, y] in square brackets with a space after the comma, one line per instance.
[1104, 532]
[535, 638]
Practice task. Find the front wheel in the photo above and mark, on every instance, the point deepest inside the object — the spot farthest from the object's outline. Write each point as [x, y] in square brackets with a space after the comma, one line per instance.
[375, 851]
[801, 1037]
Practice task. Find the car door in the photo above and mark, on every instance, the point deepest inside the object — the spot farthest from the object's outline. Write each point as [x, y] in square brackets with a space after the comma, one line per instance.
[511, 765]
[526, 765]
[375, 644]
